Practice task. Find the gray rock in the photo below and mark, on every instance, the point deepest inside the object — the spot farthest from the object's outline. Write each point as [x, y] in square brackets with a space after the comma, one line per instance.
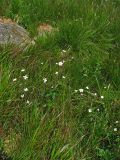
[12, 33]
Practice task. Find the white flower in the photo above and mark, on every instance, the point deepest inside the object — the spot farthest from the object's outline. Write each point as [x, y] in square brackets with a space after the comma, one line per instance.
[116, 122]
[56, 73]
[89, 110]
[15, 79]
[64, 51]
[25, 89]
[23, 70]
[22, 96]
[115, 129]
[41, 63]
[102, 97]
[81, 90]
[95, 94]
[60, 63]
[28, 102]
[87, 87]
[75, 90]
[98, 109]
[44, 80]
[25, 77]
[63, 77]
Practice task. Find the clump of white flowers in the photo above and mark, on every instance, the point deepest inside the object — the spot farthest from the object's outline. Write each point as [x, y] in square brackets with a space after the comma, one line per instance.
[25, 77]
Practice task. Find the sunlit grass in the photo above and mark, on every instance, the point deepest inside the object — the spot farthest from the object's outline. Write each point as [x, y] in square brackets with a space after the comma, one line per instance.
[59, 99]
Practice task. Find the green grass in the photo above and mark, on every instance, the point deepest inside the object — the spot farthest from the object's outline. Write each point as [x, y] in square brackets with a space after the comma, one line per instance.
[60, 123]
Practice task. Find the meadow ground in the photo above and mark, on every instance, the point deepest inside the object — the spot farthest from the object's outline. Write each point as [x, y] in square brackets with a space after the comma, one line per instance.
[60, 99]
